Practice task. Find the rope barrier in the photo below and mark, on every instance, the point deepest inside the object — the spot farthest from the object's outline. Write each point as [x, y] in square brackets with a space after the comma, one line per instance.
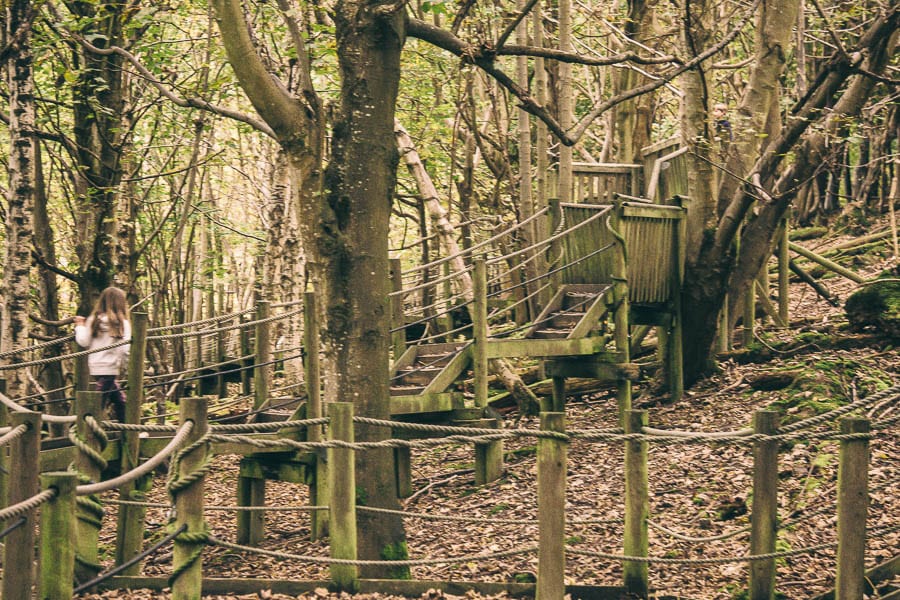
[12, 405]
[384, 563]
[13, 434]
[29, 504]
[13, 527]
[685, 538]
[40, 346]
[201, 322]
[245, 325]
[701, 561]
[832, 414]
[132, 561]
[268, 427]
[53, 359]
[512, 433]
[143, 469]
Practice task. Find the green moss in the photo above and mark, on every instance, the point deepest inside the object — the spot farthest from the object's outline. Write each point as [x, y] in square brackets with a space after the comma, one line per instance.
[398, 551]
[498, 508]
[807, 233]
[362, 497]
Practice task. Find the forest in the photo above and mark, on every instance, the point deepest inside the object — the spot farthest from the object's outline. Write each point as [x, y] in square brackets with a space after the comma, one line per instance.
[207, 157]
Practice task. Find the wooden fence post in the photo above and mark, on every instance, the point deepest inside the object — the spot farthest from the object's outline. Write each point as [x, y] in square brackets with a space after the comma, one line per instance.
[853, 505]
[89, 464]
[81, 371]
[398, 317]
[480, 332]
[555, 248]
[764, 513]
[342, 484]
[251, 492]
[551, 470]
[221, 384]
[188, 492]
[313, 376]
[24, 466]
[637, 507]
[622, 335]
[263, 354]
[130, 525]
[58, 535]
[488, 455]
[246, 374]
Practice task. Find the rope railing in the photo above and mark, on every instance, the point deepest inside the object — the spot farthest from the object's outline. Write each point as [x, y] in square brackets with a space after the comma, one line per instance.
[132, 561]
[833, 414]
[53, 359]
[202, 321]
[41, 346]
[12, 405]
[225, 372]
[384, 563]
[12, 434]
[144, 468]
[474, 247]
[205, 366]
[9, 529]
[20, 508]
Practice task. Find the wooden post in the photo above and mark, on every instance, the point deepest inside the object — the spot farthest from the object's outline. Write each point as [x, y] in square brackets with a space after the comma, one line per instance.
[24, 463]
[221, 385]
[675, 342]
[622, 336]
[4, 458]
[81, 372]
[90, 511]
[263, 354]
[724, 333]
[749, 315]
[58, 533]
[765, 506]
[554, 250]
[186, 555]
[480, 332]
[342, 484]
[398, 317]
[313, 376]
[551, 471]
[403, 472]
[246, 374]
[251, 492]
[488, 456]
[853, 505]
[784, 270]
[637, 507]
[130, 524]
[558, 394]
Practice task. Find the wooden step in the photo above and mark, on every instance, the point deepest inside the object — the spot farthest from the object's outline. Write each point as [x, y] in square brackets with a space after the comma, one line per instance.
[549, 333]
[406, 390]
[433, 360]
[568, 319]
[578, 300]
[416, 375]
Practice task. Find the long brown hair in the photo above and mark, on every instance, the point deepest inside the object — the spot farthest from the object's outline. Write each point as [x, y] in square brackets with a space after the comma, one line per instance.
[113, 304]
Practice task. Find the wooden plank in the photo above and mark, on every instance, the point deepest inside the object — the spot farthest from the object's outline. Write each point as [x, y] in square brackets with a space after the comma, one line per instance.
[583, 167]
[593, 369]
[451, 372]
[651, 211]
[540, 347]
[412, 588]
[425, 403]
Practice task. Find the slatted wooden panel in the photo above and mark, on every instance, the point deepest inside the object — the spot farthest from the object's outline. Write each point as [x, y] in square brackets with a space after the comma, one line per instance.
[651, 238]
[585, 240]
[650, 154]
[598, 183]
[673, 180]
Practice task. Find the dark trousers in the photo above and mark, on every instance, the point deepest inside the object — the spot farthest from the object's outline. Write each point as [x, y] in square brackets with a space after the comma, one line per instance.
[112, 395]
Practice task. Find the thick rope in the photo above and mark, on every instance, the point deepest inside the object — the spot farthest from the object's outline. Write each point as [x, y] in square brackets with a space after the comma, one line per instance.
[15, 407]
[40, 346]
[25, 506]
[141, 470]
[13, 434]
[383, 563]
[833, 414]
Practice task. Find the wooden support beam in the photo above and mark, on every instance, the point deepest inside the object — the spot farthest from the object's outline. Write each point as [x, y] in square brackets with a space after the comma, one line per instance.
[18, 571]
[764, 531]
[635, 574]
[263, 354]
[551, 470]
[853, 506]
[342, 484]
[58, 534]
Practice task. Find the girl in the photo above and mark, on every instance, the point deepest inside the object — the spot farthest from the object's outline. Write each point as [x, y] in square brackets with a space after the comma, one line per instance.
[107, 325]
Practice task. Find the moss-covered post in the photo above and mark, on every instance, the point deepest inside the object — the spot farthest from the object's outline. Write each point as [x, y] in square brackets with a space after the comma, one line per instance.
[480, 332]
[853, 506]
[221, 384]
[58, 533]
[398, 318]
[622, 336]
[342, 484]
[89, 464]
[251, 492]
[488, 456]
[637, 507]
[313, 375]
[675, 342]
[130, 524]
[24, 463]
[187, 490]
[263, 354]
[551, 471]
[763, 530]
[554, 250]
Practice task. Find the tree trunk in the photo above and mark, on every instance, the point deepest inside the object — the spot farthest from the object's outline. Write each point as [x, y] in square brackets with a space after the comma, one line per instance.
[20, 207]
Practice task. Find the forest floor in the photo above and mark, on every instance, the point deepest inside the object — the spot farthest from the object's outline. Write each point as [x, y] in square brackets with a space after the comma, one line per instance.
[696, 490]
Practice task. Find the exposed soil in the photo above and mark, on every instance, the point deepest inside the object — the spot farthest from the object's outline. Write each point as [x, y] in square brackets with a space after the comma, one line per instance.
[696, 490]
